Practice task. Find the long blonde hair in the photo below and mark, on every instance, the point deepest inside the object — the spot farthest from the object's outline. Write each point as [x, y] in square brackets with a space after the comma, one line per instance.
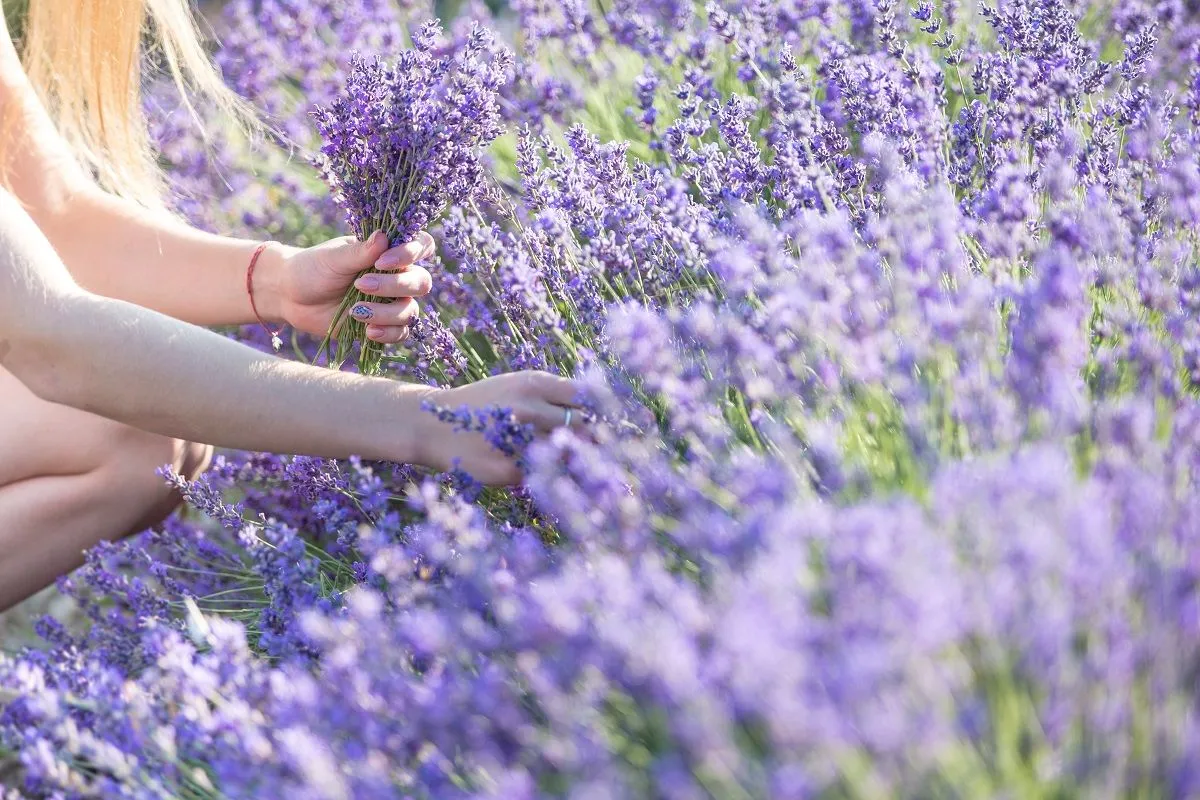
[85, 58]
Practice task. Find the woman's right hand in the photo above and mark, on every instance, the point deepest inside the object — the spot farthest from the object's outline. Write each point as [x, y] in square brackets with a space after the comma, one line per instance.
[536, 398]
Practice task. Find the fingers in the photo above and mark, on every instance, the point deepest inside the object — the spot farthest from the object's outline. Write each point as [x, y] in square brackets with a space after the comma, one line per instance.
[557, 390]
[356, 253]
[412, 282]
[547, 417]
[346, 255]
[390, 335]
[548, 398]
[387, 322]
[406, 254]
[544, 417]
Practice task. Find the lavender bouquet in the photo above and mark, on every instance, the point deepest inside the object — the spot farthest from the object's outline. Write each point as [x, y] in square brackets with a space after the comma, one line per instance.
[402, 143]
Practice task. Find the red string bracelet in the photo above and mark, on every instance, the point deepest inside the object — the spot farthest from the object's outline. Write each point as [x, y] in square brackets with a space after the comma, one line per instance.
[276, 342]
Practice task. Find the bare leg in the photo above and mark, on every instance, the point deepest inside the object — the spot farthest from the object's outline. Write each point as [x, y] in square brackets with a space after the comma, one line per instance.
[69, 479]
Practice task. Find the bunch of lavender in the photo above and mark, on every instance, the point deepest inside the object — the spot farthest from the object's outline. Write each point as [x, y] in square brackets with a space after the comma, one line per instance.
[401, 143]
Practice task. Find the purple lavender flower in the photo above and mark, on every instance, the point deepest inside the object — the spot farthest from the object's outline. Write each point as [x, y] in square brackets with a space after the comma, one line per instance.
[888, 319]
[402, 142]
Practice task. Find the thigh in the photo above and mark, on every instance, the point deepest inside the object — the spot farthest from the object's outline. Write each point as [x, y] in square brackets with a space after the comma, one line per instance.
[40, 438]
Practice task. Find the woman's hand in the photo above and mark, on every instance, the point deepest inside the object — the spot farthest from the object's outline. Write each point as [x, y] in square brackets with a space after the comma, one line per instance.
[535, 398]
[315, 280]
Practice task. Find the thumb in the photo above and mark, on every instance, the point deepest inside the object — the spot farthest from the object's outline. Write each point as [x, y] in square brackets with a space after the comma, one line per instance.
[349, 256]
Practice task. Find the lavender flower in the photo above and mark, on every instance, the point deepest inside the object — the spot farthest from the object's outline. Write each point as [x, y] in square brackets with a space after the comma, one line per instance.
[888, 323]
[403, 141]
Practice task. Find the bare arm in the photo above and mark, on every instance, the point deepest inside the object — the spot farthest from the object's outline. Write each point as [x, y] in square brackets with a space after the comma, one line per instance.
[145, 369]
[118, 249]
[115, 247]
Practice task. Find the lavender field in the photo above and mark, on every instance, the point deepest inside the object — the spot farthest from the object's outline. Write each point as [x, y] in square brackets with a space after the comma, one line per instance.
[888, 319]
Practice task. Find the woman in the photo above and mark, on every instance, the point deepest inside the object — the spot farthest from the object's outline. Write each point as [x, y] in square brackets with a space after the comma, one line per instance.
[104, 374]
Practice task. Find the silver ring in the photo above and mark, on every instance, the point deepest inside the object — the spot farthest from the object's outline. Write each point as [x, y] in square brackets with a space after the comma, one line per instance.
[567, 424]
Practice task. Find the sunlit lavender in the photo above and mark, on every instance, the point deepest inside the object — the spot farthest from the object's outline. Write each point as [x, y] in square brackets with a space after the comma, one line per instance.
[401, 142]
[889, 320]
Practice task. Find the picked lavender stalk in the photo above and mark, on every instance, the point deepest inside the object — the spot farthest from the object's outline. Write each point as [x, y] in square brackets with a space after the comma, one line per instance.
[401, 143]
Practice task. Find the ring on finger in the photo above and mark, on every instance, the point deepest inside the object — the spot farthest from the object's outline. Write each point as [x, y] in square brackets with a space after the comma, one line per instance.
[567, 422]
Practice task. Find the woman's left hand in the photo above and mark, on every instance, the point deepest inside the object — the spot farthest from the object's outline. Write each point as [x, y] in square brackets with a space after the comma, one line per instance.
[315, 281]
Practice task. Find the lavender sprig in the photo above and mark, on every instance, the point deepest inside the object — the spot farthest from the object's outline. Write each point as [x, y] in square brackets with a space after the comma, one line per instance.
[401, 143]
[498, 426]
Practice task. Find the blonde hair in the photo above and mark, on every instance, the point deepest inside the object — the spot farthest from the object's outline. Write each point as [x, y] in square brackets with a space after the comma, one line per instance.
[85, 59]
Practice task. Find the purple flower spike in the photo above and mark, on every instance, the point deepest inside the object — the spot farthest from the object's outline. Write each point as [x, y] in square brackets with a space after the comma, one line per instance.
[402, 142]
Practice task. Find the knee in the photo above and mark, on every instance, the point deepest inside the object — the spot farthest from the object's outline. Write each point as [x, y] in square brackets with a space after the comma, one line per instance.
[139, 455]
[194, 458]
[134, 460]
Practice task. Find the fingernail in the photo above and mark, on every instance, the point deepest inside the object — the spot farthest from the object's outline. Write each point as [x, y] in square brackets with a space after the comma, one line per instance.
[361, 312]
[374, 332]
[368, 283]
[374, 238]
[405, 253]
